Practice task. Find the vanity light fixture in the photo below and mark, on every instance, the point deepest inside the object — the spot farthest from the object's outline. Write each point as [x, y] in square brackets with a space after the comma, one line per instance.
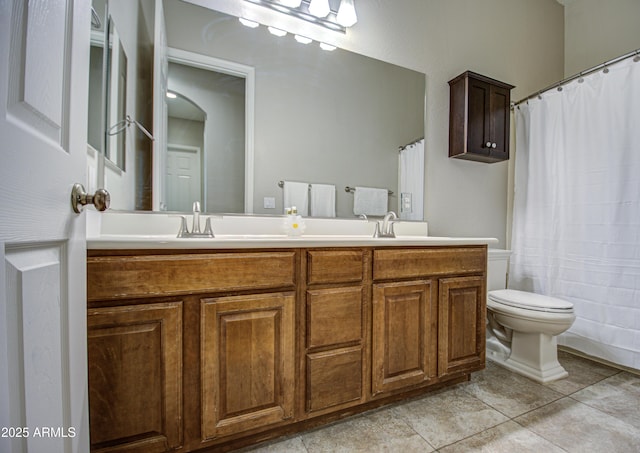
[303, 39]
[276, 31]
[317, 12]
[347, 13]
[319, 8]
[248, 23]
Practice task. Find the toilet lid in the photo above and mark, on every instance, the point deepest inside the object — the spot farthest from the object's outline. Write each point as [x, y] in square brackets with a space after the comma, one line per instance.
[529, 301]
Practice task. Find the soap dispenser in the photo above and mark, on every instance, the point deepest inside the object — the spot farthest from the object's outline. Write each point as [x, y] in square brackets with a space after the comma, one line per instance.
[294, 223]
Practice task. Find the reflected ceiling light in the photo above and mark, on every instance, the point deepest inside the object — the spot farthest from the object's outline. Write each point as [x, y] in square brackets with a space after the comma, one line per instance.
[317, 12]
[291, 3]
[248, 23]
[325, 46]
[347, 13]
[171, 95]
[276, 31]
[303, 39]
[319, 8]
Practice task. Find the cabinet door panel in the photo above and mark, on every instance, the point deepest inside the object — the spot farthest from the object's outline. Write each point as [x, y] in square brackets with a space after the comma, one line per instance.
[135, 377]
[334, 377]
[247, 362]
[404, 341]
[499, 104]
[461, 324]
[479, 132]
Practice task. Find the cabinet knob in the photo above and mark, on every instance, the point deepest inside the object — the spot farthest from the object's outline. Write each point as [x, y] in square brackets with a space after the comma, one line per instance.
[488, 145]
[494, 145]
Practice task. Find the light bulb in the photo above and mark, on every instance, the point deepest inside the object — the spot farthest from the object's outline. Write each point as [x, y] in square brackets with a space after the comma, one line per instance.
[276, 31]
[319, 8]
[325, 46]
[291, 3]
[347, 13]
[248, 23]
[171, 95]
[303, 39]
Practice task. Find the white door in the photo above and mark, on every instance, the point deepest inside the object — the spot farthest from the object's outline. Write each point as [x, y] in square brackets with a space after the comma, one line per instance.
[183, 178]
[44, 51]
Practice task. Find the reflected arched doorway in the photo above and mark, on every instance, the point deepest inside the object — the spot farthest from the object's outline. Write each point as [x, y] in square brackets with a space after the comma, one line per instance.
[185, 169]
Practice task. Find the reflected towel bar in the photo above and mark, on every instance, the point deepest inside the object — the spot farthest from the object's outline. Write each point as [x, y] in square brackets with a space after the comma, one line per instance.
[353, 189]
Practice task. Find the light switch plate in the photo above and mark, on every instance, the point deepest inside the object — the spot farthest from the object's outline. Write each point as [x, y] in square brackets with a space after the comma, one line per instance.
[269, 203]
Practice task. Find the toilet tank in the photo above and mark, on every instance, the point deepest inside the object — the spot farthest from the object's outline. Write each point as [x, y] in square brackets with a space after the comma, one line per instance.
[497, 268]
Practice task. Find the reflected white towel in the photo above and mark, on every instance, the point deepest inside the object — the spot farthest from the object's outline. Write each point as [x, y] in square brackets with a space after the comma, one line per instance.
[323, 200]
[370, 201]
[296, 194]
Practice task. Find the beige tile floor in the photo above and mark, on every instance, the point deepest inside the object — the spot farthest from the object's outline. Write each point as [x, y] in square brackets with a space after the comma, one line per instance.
[595, 409]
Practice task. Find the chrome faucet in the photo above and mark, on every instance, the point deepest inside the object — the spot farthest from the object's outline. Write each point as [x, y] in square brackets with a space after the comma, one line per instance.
[195, 232]
[386, 231]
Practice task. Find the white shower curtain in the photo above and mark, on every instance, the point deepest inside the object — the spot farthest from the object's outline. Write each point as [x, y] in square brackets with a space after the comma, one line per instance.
[576, 218]
[411, 169]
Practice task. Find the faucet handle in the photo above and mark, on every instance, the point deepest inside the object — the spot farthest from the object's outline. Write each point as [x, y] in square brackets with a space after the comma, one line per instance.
[208, 231]
[184, 230]
[196, 206]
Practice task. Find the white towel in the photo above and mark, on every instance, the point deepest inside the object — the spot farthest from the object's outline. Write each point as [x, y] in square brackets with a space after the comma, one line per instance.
[370, 201]
[323, 200]
[296, 194]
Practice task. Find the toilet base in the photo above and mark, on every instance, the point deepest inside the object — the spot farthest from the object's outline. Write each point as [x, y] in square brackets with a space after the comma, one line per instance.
[534, 355]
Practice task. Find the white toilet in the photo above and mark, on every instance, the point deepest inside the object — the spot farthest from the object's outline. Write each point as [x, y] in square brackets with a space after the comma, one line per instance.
[522, 326]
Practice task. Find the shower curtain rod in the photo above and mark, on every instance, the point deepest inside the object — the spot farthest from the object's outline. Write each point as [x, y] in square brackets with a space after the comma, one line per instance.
[400, 148]
[581, 74]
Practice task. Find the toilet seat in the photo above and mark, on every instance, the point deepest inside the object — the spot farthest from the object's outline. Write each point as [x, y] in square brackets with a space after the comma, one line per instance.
[530, 301]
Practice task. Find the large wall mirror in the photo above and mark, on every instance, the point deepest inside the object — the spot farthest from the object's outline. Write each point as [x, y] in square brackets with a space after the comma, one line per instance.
[318, 116]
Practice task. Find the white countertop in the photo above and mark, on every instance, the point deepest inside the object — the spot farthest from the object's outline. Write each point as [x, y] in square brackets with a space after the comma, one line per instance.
[121, 242]
[122, 230]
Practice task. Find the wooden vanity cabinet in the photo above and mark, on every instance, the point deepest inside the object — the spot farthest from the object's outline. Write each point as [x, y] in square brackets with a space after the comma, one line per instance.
[217, 349]
[430, 324]
[404, 341]
[247, 362]
[479, 118]
[135, 376]
[227, 331]
[461, 324]
[334, 331]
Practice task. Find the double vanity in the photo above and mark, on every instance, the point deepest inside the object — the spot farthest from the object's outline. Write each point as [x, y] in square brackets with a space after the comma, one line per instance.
[217, 343]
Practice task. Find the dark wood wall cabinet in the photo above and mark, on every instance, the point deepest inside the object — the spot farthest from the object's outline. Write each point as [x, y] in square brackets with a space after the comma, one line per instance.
[215, 350]
[479, 118]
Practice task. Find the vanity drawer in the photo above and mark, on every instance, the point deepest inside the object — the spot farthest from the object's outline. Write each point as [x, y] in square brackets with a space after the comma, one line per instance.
[409, 263]
[116, 277]
[334, 266]
[334, 316]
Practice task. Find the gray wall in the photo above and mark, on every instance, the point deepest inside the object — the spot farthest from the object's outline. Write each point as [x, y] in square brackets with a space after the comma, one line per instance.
[597, 31]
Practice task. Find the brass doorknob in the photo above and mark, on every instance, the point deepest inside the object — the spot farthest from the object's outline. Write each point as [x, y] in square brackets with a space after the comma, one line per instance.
[79, 198]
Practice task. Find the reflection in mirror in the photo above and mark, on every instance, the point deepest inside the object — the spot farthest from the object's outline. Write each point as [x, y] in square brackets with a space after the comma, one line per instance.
[216, 127]
[185, 166]
[116, 97]
[95, 124]
[320, 117]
